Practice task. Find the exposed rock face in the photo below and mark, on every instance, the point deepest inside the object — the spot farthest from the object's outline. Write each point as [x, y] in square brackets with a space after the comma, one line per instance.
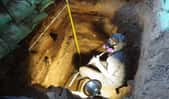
[17, 20]
[152, 78]
[55, 59]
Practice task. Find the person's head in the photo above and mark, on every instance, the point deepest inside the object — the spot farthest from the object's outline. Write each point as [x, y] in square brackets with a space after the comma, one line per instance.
[115, 42]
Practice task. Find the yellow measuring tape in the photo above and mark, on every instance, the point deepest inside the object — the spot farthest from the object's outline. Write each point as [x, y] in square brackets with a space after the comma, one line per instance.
[73, 27]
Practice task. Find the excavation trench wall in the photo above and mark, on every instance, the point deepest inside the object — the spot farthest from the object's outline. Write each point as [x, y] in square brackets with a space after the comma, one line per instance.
[152, 78]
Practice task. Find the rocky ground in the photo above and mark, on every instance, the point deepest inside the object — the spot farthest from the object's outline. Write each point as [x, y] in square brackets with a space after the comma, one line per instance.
[152, 77]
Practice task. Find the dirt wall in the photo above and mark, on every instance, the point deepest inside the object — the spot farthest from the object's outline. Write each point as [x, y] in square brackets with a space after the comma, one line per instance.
[151, 80]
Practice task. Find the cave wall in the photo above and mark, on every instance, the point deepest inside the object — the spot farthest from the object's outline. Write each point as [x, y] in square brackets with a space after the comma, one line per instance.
[152, 78]
[53, 60]
[17, 20]
[47, 56]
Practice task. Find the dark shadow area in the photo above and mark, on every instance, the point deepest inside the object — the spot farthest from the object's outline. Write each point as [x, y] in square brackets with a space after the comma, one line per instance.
[54, 35]
[15, 75]
[83, 58]
[127, 20]
[98, 26]
[15, 79]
